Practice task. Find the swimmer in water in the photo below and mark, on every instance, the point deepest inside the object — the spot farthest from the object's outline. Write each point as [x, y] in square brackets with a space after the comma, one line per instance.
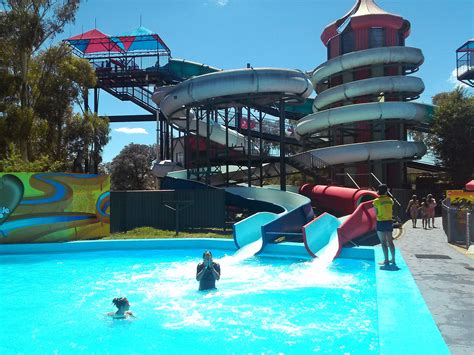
[207, 272]
[123, 307]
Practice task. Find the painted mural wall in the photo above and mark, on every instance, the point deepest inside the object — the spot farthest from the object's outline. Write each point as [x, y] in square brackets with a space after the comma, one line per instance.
[53, 207]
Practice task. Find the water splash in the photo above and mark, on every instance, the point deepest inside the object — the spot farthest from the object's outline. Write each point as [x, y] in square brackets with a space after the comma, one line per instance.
[242, 254]
[327, 254]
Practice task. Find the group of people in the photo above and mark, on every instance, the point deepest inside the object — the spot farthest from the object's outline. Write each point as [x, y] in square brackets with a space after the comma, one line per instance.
[208, 271]
[426, 209]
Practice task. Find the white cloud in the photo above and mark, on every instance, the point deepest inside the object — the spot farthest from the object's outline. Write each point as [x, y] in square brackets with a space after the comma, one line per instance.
[453, 79]
[128, 130]
[222, 2]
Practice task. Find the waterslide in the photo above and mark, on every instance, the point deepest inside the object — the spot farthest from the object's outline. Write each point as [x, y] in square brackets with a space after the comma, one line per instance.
[325, 115]
[225, 84]
[285, 212]
[182, 69]
[325, 235]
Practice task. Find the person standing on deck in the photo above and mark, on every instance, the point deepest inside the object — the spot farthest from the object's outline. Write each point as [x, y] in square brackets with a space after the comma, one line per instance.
[431, 203]
[412, 209]
[384, 212]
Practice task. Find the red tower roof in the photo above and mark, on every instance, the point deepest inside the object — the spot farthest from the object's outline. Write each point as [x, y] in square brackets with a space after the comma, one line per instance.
[366, 13]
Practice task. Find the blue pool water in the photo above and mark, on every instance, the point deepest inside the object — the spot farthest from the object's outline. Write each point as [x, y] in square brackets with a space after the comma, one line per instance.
[57, 303]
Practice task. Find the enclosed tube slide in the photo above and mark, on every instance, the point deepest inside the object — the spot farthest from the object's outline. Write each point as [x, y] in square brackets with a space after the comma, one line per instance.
[217, 132]
[172, 100]
[411, 86]
[405, 111]
[408, 87]
[359, 152]
[325, 117]
[236, 82]
[412, 58]
[340, 200]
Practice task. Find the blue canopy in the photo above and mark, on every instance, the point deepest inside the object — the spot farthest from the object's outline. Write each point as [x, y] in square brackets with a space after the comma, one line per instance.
[141, 39]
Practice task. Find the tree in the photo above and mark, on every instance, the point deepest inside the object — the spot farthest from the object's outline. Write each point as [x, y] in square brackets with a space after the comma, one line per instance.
[131, 169]
[55, 81]
[104, 168]
[58, 81]
[453, 128]
[14, 163]
[26, 26]
[85, 138]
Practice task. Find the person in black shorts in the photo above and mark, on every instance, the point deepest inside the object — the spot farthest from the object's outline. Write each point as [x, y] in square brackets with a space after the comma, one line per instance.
[384, 213]
[207, 272]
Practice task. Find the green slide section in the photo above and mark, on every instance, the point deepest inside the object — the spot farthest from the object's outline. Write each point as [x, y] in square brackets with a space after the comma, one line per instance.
[185, 69]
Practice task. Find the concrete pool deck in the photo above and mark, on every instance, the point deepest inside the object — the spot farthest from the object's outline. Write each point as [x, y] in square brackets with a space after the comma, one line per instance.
[447, 284]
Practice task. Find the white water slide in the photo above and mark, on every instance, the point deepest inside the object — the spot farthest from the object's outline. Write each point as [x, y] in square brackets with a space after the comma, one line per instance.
[222, 84]
[172, 100]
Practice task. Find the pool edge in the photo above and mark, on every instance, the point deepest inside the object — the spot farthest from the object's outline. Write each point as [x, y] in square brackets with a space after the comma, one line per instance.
[405, 323]
[282, 249]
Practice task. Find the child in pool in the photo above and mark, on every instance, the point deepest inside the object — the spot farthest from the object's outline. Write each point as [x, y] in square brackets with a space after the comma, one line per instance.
[123, 308]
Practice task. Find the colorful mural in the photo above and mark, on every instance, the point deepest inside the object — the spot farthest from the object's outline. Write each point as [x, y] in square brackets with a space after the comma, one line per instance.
[53, 207]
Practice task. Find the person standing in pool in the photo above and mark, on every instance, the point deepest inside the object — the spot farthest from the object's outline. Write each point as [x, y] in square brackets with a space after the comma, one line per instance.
[207, 272]
[123, 308]
[384, 212]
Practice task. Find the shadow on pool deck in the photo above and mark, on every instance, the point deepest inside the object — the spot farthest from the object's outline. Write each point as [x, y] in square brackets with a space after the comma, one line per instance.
[445, 277]
[390, 267]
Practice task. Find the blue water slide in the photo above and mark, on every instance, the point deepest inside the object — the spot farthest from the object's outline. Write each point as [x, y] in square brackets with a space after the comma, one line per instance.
[290, 212]
[279, 213]
[320, 235]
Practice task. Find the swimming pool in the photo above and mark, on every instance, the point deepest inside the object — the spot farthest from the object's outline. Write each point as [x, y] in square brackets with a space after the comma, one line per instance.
[56, 302]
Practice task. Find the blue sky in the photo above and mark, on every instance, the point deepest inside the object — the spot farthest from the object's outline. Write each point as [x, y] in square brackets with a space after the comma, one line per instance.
[266, 33]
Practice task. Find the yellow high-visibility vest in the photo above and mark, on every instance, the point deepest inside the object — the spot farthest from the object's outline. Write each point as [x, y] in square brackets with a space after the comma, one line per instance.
[383, 208]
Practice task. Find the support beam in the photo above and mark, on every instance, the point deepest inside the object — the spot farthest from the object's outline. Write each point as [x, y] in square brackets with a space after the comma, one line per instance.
[96, 100]
[132, 118]
[282, 147]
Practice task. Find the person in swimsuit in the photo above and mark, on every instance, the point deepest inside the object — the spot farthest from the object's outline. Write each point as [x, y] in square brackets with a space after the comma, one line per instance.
[412, 209]
[424, 213]
[431, 203]
[123, 307]
[207, 272]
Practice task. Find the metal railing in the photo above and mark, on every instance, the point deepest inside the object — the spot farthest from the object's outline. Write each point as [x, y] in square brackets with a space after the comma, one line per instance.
[458, 224]
[138, 95]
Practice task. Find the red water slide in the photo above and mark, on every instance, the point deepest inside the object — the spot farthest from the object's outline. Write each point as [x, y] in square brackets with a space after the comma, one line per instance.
[336, 199]
[354, 203]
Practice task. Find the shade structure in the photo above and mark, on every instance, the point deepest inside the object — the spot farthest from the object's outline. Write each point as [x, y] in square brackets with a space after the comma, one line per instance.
[141, 39]
[94, 41]
[467, 47]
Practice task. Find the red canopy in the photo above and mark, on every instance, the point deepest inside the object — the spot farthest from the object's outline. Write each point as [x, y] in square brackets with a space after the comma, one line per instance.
[94, 41]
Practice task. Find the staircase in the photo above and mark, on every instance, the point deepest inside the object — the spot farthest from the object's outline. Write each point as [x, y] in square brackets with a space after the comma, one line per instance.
[138, 95]
[307, 163]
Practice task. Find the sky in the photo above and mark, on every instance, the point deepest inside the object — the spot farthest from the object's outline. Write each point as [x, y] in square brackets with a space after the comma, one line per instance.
[228, 34]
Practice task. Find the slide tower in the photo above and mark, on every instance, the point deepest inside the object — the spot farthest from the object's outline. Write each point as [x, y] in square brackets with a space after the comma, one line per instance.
[364, 95]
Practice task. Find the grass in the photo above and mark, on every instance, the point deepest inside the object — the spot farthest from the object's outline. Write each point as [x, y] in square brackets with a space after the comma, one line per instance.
[152, 233]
